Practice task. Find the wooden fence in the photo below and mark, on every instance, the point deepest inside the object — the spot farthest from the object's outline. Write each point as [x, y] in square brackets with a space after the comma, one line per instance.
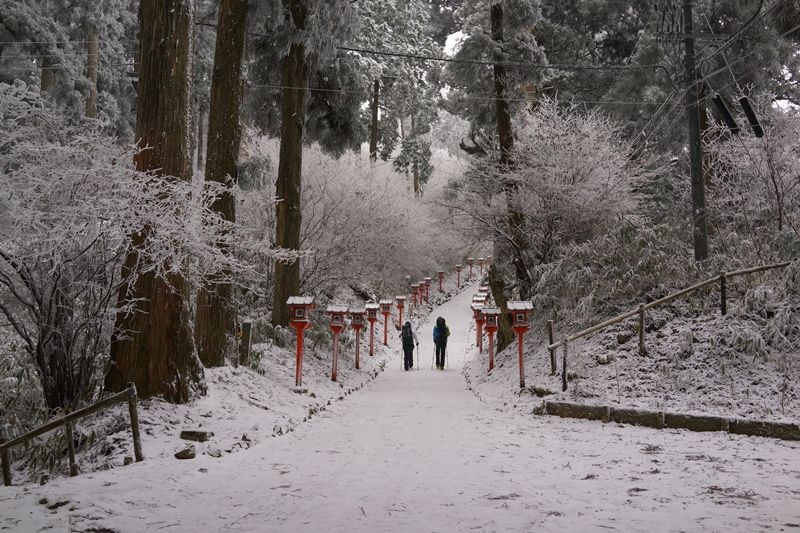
[68, 421]
[722, 278]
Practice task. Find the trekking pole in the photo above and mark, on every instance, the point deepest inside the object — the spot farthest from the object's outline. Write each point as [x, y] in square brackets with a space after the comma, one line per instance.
[446, 359]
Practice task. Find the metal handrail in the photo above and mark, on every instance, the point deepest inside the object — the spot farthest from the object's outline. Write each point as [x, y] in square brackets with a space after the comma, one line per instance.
[665, 299]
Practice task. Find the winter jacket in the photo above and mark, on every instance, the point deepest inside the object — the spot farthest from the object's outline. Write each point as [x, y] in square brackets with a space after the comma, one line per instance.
[440, 339]
[413, 335]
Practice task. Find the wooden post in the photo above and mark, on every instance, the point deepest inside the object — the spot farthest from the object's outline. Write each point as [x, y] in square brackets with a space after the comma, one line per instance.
[723, 293]
[642, 350]
[552, 351]
[73, 466]
[564, 367]
[5, 456]
[520, 347]
[244, 343]
[134, 413]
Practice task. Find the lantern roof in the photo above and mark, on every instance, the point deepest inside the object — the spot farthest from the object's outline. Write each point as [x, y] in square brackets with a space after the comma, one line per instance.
[386, 302]
[520, 306]
[300, 300]
[373, 305]
[491, 310]
[337, 309]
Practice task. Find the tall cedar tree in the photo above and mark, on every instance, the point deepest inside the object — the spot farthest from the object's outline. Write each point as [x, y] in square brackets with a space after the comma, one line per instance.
[515, 219]
[215, 320]
[287, 187]
[153, 345]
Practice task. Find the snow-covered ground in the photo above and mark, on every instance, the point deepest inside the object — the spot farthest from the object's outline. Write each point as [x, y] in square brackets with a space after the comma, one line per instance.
[417, 451]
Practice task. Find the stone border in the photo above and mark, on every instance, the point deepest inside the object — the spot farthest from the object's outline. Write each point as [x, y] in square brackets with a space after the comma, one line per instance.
[661, 420]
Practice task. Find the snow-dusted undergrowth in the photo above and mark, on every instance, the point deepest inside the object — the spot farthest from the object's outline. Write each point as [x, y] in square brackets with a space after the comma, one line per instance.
[746, 364]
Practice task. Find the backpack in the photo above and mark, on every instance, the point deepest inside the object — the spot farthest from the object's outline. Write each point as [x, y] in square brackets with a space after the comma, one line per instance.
[407, 336]
[441, 334]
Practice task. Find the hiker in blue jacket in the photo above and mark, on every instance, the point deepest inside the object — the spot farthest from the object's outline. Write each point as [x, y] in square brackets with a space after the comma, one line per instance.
[440, 334]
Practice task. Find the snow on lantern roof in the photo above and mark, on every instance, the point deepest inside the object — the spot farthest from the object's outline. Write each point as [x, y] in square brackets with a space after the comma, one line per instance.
[386, 302]
[373, 305]
[357, 310]
[300, 300]
[337, 309]
[401, 298]
[520, 306]
[491, 310]
[477, 305]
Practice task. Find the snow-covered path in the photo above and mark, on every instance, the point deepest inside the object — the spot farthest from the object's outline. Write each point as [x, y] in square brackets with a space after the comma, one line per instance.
[417, 451]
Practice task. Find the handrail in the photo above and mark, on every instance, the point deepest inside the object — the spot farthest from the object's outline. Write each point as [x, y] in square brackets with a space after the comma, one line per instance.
[129, 395]
[619, 318]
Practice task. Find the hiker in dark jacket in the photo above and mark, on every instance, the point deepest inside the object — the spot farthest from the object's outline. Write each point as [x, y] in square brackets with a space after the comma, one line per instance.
[409, 338]
[440, 334]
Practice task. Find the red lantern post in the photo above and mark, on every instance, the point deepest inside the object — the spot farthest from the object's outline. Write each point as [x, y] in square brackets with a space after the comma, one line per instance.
[519, 317]
[386, 310]
[476, 312]
[413, 297]
[357, 322]
[337, 314]
[300, 308]
[470, 262]
[372, 316]
[401, 302]
[428, 282]
[440, 273]
[479, 322]
[480, 264]
[492, 315]
[458, 275]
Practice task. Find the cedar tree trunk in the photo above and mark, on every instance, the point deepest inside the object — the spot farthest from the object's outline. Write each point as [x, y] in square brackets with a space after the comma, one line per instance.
[215, 320]
[288, 185]
[153, 345]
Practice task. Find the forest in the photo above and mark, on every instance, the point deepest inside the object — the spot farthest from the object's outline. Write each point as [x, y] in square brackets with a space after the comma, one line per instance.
[170, 170]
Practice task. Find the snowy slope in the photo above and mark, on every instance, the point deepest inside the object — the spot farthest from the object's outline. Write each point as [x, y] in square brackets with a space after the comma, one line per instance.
[417, 451]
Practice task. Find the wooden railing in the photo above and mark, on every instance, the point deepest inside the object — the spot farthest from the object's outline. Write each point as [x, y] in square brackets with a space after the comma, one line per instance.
[68, 421]
[722, 278]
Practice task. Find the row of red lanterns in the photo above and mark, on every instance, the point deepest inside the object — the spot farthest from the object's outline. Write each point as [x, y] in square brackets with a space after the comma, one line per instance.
[488, 318]
[301, 307]
[482, 261]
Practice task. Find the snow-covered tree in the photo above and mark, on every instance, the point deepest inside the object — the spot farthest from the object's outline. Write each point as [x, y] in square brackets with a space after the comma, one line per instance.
[755, 181]
[69, 201]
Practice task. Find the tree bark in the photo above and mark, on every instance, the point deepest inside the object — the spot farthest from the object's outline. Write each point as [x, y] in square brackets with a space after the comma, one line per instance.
[201, 143]
[91, 74]
[373, 137]
[215, 319]
[288, 185]
[152, 344]
[504, 334]
[518, 243]
[505, 134]
[414, 164]
[48, 81]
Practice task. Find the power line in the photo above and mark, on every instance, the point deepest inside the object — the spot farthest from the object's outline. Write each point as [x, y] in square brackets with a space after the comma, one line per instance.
[68, 42]
[481, 98]
[66, 54]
